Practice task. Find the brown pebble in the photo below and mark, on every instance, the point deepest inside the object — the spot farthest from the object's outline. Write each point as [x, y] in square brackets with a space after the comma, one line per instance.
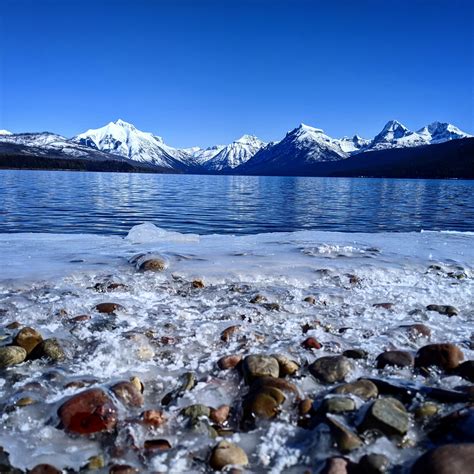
[157, 445]
[80, 318]
[305, 406]
[310, 300]
[198, 284]
[154, 417]
[229, 332]
[108, 308]
[220, 415]
[128, 394]
[122, 469]
[229, 361]
[383, 305]
[446, 356]
[44, 469]
[311, 343]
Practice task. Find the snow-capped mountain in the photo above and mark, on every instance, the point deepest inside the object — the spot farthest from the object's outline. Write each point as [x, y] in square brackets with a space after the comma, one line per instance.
[302, 145]
[122, 138]
[5, 132]
[202, 155]
[235, 154]
[438, 132]
[354, 144]
[395, 135]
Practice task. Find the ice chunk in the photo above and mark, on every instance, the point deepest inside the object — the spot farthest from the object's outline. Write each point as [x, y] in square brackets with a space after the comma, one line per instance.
[148, 233]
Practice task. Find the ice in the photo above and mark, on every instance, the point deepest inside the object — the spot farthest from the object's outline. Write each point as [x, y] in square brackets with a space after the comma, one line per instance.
[167, 327]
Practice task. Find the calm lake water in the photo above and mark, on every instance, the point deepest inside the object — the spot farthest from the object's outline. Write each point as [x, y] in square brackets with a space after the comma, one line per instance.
[111, 203]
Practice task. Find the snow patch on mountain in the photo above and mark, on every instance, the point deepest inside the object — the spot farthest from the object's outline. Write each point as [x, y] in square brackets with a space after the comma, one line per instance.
[5, 132]
[438, 132]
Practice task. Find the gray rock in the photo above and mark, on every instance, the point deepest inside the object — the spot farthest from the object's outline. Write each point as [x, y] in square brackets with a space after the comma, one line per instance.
[374, 463]
[11, 355]
[395, 358]
[448, 459]
[387, 415]
[338, 405]
[225, 454]
[345, 438]
[443, 309]
[331, 369]
[362, 388]
[259, 366]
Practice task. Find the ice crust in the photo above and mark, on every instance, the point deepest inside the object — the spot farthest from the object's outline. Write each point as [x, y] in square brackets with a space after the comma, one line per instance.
[43, 274]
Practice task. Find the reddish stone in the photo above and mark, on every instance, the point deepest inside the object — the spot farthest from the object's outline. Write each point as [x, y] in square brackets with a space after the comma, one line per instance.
[220, 415]
[229, 362]
[157, 445]
[229, 332]
[108, 308]
[445, 356]
[44, 469]
[80, 318]
[311, 343]
[91, 411]
[154, 417]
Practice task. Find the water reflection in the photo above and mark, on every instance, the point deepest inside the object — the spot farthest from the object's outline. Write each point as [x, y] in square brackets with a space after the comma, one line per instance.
[39, 201]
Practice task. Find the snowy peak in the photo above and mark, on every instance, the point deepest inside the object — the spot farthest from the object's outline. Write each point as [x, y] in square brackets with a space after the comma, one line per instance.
[393, 130]
[5, 132]
[438, 132]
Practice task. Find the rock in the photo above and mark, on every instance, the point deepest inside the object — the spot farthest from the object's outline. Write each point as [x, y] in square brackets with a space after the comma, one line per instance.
[281, 384]
[305, 406]
[229, 332]
[355, 354]
[383, 305]
[137, 383]
[187, 383]
[229, 361]
[331, 369]
[156, 445]
[287, 366]
[11, 355]
[311, 343]
[448, 459]
[374, 463]
[443, 309]
[271, 306]
[88, 412]
[50, 349]
[198, 284]
[80, 318]
[122, 469]
[263, 403]
[13, 325]
[153, 265]
[108, 308]
[418, 330]
[338, 405]
[426, 410]
[395, 358]
[446, 356]
[387, 415]
[336, 465]
[220, 415]
[456, 426]
[154, 418]
[128, 394]
[259, 366]
[466, 370]
[225, 454]
[345, 438]
[44, 469]
[25, 401]
[310, 300]
[194, 412]
[28, 338]
[258, 299]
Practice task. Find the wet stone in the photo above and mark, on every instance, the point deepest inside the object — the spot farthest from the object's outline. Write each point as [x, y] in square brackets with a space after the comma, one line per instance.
[395, 359]
[446, 356]
[225, 454]
[122, 469]
[11, 355]
[448, 459]
[228, 333]
[355, 354]
[310, 300]
[258, 299]
[219, 415]
[418, 330]
[338, 405]
[345, 438]
[153, 265]
[259, 366]
[387, 415]
[128, 394]
[153, 445]
[198, 284]
[374, 463]
[108, 308]
[443, 309]
[336, 465]
[331, 369]
[88, 412]
[28, 338]
[50, 349]
[466, 370]
[426, 410]
[262, 403]
[287, 365]
[44, 469]
[229, 361]
[153, 417]
[311, 343]
[194, 412]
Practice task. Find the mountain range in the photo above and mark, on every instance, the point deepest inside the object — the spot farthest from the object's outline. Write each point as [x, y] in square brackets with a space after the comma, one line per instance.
[303, 151]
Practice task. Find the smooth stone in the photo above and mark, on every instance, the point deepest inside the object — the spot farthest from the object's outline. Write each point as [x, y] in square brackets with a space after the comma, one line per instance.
[226, 453]
[287, 365]
[137, 383]
[229, 361]
[228, 333]
[305, 406]
[258, 366]
[28, 338]
[122, 469]
[311, 343]
[395, 359]
[198, 284]
[426, 410]
[258, 299]
[108, 308]
[387, 415]
[362, 388]
[281, 384]
[355, 354]
[88, 412]
[153, 265]
[154, 418]
[338, 405]
[310, 300]
[44, 469]
[446, 356]
[383, 305]
[50, 349]
[187, 382]
[154, 445]
[196, 411]
[418, 330]
[336, 465]
[11, 355]
[331, 369]
[128, 394]
[448, 459]
[443, 309]
[466, 370]
[219, 415]
[345, 438]
[374, 463]
[96, 462]
[263, 403]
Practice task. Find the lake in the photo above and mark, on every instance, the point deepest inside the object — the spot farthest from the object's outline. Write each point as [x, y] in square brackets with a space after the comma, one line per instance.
[111, 203]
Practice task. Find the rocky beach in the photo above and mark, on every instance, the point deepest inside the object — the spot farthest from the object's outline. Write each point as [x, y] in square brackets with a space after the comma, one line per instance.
[304, 352]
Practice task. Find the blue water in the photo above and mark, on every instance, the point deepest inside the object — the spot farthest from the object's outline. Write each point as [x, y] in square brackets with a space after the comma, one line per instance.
[111, 203]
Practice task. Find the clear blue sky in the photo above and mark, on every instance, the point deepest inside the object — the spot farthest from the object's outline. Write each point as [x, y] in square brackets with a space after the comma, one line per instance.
[200, 72]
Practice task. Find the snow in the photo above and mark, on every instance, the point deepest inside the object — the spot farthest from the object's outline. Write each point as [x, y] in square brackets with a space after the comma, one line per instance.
[5, 132]
[45, 273]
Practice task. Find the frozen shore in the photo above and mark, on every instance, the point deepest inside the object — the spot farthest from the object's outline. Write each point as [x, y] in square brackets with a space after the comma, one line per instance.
[303, 295]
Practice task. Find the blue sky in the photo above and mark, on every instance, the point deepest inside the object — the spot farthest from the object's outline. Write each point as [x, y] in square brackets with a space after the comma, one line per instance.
[203, 72]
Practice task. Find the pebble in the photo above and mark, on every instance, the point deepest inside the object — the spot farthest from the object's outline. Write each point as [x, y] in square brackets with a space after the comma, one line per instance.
[154, 445]
[336, 465]
[229, 361]
[44, 469]
[345, 438]
[395, 358]
[448, 459]
[28, 338]
[338, 405]
[88, 412]
[446, 356]
[374, 463]
[355, 354]
[311, 343]
[287, 365]
[11, 355]
[108, 308]
[331, 369]
[198, 284]
[426, 410]
[219, 415]
[262, 403]
[153, 265]
[226, 453]
[443, 309]
[228, 333]
[418, 330]
[387, 415]
[50, 349]
[122, 469]
[258, 366]
[310, 300]
[154, 418]
[128, 394]
[466, 370]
